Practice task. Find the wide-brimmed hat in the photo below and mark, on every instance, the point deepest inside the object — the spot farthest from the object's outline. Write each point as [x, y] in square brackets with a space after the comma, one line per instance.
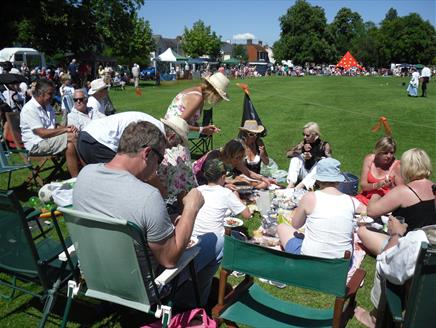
[252, 126]
[329, 170]
[179, 126]
[220, 83]
[96, 86]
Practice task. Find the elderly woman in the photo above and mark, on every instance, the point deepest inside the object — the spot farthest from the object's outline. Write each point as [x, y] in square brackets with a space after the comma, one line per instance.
[305, 156]
[412, 88]
[380, 170]
[414, 201]
[255, 152]
[232, 155]
[328, 216]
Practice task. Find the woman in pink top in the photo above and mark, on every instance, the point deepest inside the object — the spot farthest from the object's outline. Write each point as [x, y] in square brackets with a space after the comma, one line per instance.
[380, 170]
[189, 103]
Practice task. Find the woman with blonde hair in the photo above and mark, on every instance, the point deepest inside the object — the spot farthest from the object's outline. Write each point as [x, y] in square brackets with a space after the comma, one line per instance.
[380, 170]
[414, 201]
[188, 104]
[304, 157]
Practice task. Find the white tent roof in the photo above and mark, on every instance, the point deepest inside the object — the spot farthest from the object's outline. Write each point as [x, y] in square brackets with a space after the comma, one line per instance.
[170, 55]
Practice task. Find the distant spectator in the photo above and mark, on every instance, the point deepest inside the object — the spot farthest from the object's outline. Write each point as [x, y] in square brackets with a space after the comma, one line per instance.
[98, 95]
[425, 76]
[135, 73]
[412, 88]
[73, 70]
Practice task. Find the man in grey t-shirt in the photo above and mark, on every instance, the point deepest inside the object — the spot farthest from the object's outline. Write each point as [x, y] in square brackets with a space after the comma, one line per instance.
[119, 189]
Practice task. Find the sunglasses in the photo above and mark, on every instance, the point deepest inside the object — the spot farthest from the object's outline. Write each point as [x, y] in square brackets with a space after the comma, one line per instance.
[79, 99]
[307, 135]
[251, 134]
[158, 154]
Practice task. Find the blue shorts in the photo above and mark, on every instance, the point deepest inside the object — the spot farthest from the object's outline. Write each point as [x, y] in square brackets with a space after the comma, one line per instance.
[293, 246]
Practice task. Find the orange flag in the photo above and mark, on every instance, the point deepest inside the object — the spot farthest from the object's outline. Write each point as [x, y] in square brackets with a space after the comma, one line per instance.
[244, 87]
[382, 121]
[138, 92]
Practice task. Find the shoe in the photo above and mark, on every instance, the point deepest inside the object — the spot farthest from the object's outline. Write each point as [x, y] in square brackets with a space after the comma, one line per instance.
[273, 283]
[237, 274]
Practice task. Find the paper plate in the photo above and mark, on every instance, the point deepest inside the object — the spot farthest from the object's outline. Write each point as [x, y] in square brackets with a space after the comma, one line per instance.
[363, 220]
[232, 222]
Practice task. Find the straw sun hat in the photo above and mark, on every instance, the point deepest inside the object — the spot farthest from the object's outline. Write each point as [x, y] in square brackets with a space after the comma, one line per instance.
[252, 126]
[220, 83]
[96, 86]
[179, 126]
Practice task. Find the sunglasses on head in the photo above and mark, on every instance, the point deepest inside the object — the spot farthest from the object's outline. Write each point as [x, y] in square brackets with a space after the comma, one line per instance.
[79, 99]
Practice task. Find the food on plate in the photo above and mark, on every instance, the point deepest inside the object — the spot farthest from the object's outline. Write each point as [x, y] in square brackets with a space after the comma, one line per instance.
[232, 222]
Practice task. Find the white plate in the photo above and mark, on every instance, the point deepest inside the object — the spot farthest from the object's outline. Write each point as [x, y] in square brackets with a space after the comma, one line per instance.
[194, 241]
[363, 220]
[235, 222]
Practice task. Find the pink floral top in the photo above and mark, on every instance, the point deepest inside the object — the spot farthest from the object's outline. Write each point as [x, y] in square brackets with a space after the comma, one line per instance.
[176, 108]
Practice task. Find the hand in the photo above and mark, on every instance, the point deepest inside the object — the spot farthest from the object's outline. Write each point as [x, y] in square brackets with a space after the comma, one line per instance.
[194, 199]
[72, 129]
[396, 227]
[231, 186]
[210, 129]
[261, 151]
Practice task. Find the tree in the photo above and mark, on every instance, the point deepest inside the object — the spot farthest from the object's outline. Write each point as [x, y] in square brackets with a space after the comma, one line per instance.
[407, 39]
[240, 52]
[200, 41]
[367, 47]
[304, 36]
[346, 27]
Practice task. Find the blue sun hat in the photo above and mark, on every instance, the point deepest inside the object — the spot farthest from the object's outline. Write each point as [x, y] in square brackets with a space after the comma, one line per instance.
[329, 170]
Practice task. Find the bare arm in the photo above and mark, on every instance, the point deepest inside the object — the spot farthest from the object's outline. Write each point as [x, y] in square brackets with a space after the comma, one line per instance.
[327, 149]
[49, 133]
[369, 159]
[169, 251]
[244, 170]
[304, 208]
[262, 152]
[381, 205]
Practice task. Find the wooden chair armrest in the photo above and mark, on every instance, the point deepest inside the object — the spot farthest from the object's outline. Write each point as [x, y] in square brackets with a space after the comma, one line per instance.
[355, 282]
[232, 296]
[167, 275]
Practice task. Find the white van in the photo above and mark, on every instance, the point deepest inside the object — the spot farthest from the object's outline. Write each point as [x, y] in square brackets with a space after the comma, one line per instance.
[18, 56]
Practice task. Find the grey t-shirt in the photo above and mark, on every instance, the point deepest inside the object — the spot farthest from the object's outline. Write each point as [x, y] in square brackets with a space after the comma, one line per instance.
[119, 194]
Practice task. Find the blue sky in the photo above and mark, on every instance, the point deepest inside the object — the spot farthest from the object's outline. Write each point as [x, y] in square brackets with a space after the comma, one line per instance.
[234, 20]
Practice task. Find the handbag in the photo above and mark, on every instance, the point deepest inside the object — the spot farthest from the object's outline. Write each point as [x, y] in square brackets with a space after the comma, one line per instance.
[195, 318]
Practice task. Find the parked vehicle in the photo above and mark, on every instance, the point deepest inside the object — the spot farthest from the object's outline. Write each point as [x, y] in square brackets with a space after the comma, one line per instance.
[17, 56]
[148, 73]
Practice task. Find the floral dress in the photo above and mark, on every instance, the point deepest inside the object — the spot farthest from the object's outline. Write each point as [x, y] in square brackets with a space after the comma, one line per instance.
[176, 167]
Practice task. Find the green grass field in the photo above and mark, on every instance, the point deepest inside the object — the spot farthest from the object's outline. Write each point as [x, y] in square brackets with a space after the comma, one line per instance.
[346, 110]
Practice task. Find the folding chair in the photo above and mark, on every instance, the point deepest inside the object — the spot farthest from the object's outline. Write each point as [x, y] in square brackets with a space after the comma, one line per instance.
[251, 305]
[120, 275]
[31, 257]
[201, 143]
[411, 305]
[7, 165]
[13, 119]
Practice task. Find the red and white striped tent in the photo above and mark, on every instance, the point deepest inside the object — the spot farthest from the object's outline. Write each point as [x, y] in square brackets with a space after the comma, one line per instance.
[348, 61]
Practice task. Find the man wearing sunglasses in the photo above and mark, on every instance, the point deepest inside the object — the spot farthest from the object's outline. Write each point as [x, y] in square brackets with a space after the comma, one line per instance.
[140, 149]
[41, 134]
[81, 114]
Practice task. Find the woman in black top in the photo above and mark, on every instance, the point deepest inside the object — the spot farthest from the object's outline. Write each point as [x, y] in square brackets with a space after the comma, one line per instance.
[413, 200]
[255, 152]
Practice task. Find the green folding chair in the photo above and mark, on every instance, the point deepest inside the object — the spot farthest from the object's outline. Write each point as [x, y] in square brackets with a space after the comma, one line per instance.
[31, 257]
[7, 165]
[200, 143]
[412, 304]
[251, 305]
[115, 264]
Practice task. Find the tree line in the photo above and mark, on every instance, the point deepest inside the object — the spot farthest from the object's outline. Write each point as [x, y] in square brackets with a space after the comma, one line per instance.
[113, 28]
[306, 37]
